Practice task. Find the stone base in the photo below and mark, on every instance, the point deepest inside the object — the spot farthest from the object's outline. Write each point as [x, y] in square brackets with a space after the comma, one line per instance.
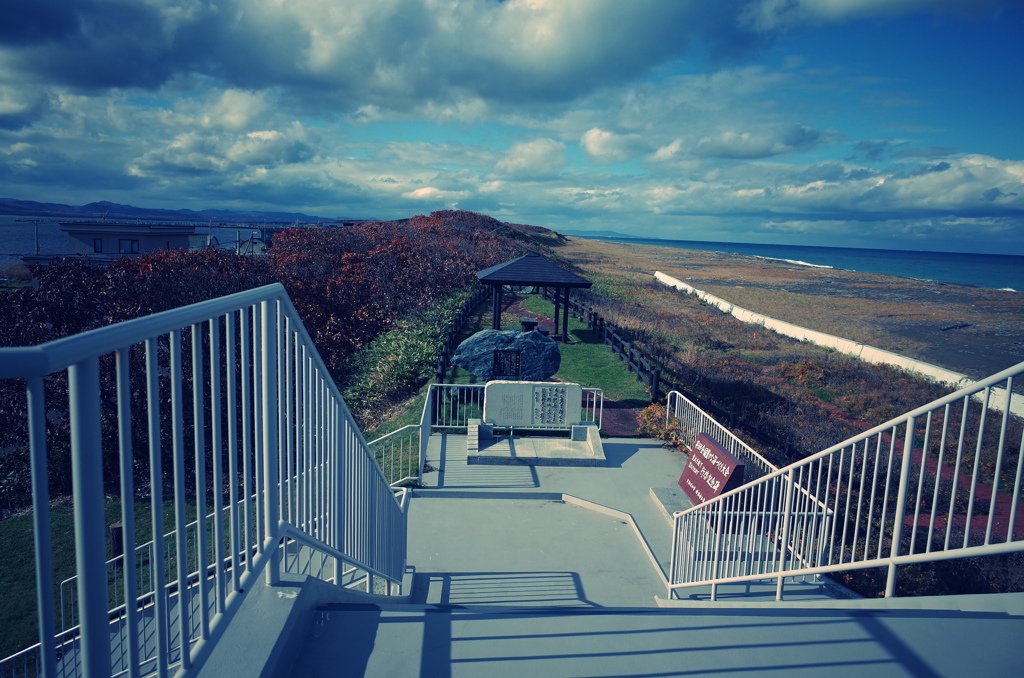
[536, 451]
[670, 500]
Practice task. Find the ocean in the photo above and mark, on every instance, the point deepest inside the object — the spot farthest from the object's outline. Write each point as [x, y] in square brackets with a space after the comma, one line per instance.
[996, 271]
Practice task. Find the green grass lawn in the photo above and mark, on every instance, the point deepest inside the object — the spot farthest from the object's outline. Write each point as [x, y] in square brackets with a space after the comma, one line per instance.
[587, 361]
[18, 619]
[590, 362]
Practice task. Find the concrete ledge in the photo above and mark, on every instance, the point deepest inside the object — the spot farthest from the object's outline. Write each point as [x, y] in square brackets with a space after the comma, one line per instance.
[258, 636]
[1011, 604]
[553, 496]
[273, 618]
[670, 500]
[581, 447]
[444, 493]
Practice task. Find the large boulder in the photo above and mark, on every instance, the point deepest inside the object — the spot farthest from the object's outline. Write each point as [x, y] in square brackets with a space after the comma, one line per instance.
[538, 355]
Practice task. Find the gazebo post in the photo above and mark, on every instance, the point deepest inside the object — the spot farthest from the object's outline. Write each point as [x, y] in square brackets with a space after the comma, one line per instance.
[558, 301]
[565, 316]
[496, 308]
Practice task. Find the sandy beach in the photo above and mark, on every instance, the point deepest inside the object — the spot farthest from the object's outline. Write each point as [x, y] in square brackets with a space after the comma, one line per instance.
[972, 330]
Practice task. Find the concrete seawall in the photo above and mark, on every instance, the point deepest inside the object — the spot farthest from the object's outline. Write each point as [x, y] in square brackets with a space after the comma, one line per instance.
[865, 352]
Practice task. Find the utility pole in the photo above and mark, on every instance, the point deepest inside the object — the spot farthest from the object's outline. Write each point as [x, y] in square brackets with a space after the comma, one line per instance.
[35, 225]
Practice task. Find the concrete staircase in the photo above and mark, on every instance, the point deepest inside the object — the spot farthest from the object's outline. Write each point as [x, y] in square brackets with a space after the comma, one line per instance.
[557, 571]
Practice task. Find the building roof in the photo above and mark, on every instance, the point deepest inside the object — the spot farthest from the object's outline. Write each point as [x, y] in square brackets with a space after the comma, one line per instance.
[531, 269]
[145, 228]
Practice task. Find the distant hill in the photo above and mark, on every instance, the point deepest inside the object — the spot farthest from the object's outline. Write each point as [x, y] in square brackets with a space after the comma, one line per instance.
[110, 210]
[600, 234]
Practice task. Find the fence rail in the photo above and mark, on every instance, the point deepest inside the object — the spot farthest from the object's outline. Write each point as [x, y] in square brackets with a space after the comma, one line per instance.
[940, 482]
[225, 409]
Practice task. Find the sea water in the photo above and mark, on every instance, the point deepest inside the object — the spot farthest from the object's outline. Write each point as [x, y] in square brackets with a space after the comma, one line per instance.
[996, 271]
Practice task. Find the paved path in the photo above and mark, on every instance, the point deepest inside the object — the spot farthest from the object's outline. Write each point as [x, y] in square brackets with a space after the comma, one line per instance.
[635, 465]
[513, 581]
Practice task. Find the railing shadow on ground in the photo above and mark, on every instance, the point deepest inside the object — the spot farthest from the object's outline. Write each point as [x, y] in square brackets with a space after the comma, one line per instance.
[545, 589]
[454, 640]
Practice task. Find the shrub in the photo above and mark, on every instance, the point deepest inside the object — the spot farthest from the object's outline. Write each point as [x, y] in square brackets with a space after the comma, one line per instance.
[652, 425]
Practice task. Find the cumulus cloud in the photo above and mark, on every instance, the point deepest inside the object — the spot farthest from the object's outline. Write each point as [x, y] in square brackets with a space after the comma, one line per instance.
[970, 185]
[534, 159]
[535, 109]
[386, 53]
[196, 152]
[20, 106]
[235, 110]
[760, 143]
[604, 147]
[775, 15]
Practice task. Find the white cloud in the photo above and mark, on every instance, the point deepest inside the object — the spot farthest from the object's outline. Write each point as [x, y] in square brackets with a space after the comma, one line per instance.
[604, 147]
[775, 15]
[235, 110]
[434, 194]
[533, 109]
[759, 143]
[535, 159]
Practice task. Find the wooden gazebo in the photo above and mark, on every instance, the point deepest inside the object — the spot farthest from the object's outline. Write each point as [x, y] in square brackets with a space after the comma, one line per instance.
[533, 270]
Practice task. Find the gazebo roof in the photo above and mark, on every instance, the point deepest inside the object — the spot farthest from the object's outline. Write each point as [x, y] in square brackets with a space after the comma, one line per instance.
[531, 269]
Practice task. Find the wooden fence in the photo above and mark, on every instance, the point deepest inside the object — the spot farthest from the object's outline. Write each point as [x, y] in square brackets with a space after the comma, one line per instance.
[455, 329]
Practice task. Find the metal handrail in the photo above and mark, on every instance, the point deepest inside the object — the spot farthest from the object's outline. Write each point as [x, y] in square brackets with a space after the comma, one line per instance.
[910, 490]
[265, 420]
[693, 421]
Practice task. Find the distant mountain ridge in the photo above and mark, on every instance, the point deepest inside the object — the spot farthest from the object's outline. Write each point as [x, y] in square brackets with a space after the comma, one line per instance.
[600, 234]
[109, 210]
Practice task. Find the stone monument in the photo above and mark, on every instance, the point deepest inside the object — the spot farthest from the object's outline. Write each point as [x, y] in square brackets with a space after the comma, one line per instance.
[518, 404]
[508, 354]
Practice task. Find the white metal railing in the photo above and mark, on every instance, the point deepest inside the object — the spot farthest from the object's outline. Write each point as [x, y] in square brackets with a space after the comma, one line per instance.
[402, 453]
[455, 404]
[693, 421]
[227, 405]
[940, 482]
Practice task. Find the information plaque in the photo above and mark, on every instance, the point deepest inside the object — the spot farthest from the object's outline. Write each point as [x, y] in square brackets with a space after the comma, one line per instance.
[525, 403]
[710, 471]
[508, 364]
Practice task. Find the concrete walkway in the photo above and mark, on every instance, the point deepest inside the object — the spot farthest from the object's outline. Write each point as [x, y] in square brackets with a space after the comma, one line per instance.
[634, 467]
[543, 571]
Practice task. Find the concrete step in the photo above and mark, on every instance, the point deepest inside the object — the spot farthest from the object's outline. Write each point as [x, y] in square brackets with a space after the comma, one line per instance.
[456, 641]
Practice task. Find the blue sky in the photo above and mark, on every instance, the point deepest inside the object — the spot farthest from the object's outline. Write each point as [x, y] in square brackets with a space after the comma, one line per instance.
[862, 123]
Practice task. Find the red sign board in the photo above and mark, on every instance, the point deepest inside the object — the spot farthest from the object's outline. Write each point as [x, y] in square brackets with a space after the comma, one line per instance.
[710, 471]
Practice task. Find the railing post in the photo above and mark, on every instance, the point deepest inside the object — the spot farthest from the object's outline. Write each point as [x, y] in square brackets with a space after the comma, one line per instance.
[425, 427]
[901, 506]
[784, 538]
[41, 525]
[717, 551]
[90, 542]
[673, 561]
[269, 317]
